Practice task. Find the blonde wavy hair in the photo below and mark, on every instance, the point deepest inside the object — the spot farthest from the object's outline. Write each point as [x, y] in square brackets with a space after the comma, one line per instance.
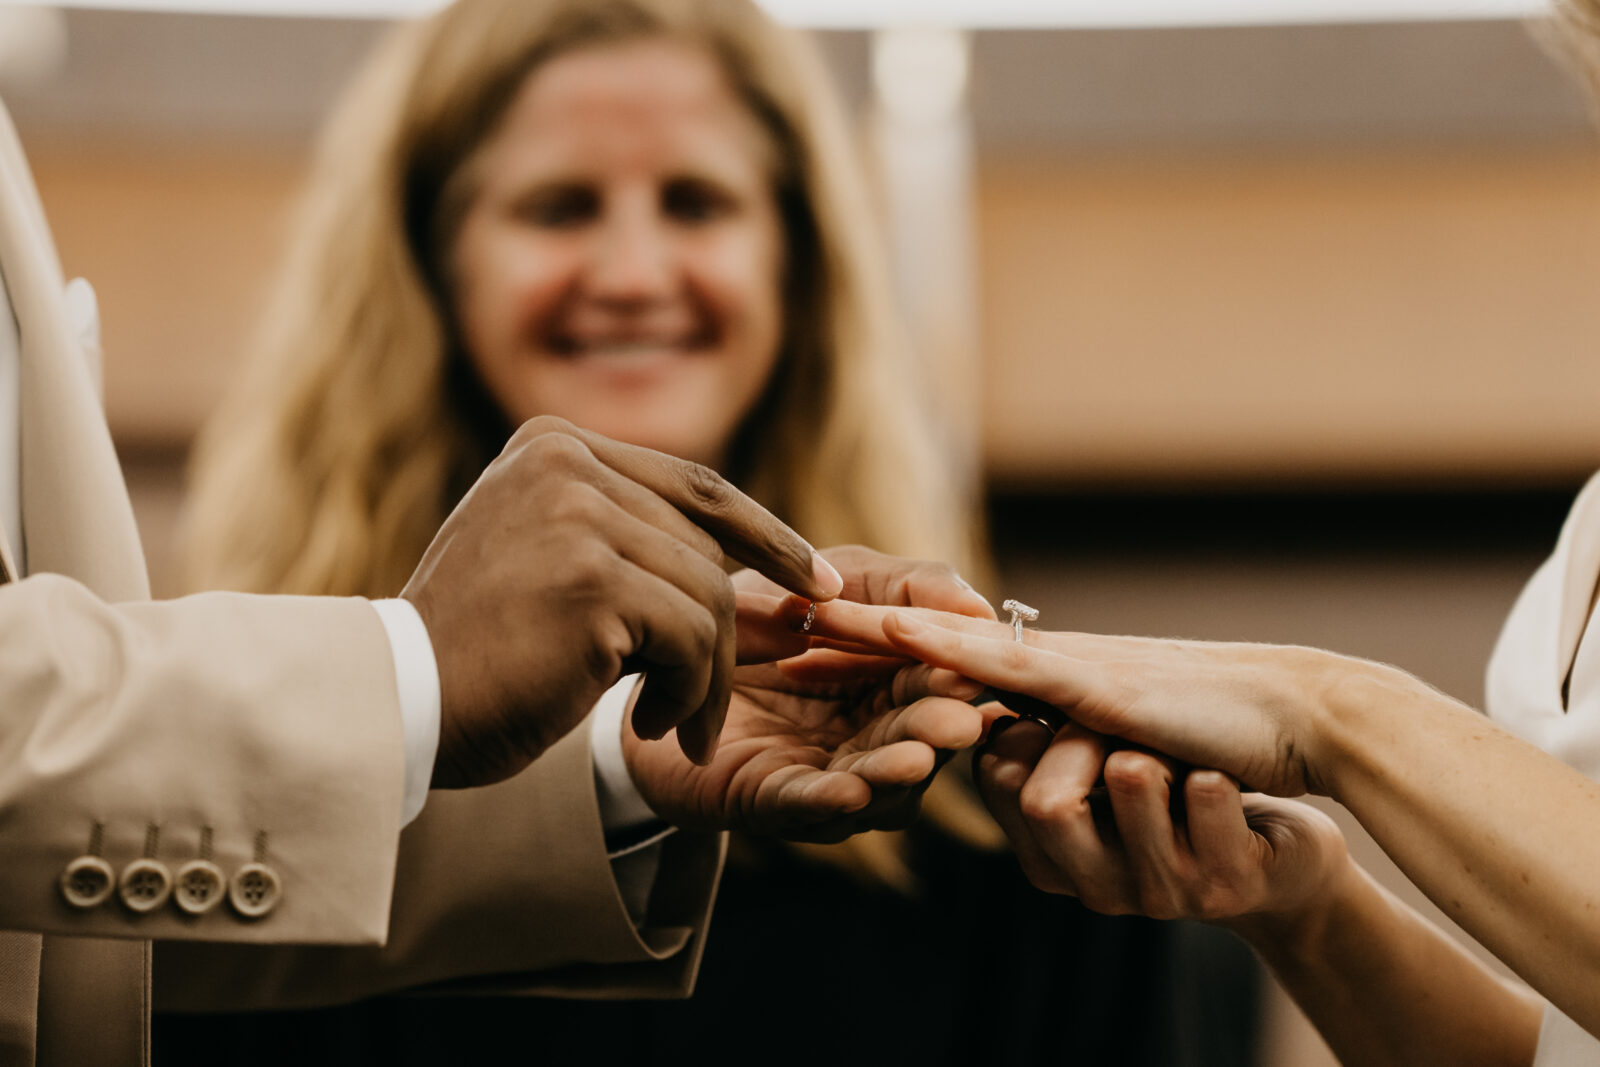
[357, 423]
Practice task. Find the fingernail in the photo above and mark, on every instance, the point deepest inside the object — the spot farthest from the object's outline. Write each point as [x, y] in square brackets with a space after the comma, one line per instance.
[969, 587]
[967, 689]
[829, 583]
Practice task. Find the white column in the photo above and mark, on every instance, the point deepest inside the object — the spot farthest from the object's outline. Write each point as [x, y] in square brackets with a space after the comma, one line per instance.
[921, 131]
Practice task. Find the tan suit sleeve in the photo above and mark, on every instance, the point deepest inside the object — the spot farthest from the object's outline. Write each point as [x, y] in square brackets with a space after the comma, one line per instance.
[507, 890]
[271, 721]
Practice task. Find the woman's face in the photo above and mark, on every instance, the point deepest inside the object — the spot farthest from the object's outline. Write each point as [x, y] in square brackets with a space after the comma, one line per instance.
[619, 265]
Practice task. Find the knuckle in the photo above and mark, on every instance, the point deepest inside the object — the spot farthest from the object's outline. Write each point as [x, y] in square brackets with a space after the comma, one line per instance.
[579, 504]
[702, 632]
[608, 642]
[555, 451]
[542, 426]
[706, 487]
[997, 784]
[1046, 804]
[589, 565]
[1129, 772]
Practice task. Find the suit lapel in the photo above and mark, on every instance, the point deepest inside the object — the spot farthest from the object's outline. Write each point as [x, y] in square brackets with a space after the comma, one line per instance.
[76, 517]
[76, 521]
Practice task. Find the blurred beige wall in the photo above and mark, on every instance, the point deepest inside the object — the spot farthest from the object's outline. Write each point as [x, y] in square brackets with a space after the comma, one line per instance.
[1254, 255]
[179, 244]
[1423, 315]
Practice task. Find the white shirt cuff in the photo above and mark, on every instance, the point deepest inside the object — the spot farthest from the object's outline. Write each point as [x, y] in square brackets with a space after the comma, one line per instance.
[622, 810]
[416, 676]
[634, 831]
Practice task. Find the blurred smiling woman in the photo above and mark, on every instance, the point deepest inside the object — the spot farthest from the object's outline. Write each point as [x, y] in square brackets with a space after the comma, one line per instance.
[451, 276]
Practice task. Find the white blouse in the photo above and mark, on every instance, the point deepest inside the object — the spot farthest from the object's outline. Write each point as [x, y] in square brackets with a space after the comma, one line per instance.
[1551, 643]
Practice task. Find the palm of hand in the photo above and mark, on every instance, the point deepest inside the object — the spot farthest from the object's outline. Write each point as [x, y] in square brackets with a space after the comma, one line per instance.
[807, 760]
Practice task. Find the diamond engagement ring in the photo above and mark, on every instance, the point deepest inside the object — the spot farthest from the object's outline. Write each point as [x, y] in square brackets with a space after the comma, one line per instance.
[1028, 709]
[1021, 615]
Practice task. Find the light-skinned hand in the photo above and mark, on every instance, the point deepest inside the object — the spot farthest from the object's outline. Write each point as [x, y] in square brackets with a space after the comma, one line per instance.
[1130, 832]
[1253, 711]
[826, 745]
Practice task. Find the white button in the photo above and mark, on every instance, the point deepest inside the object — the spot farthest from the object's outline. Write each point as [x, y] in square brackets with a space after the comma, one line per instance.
[254, 890]
[199, 887]
[145, 885]
[87, 881]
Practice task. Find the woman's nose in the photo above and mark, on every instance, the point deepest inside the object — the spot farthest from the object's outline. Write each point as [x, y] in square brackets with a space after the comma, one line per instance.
[632, 261]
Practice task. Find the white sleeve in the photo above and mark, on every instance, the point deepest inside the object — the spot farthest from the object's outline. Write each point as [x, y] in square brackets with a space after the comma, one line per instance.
[622, 809]
[634, 831]
[416, 676]
[1563, 1043]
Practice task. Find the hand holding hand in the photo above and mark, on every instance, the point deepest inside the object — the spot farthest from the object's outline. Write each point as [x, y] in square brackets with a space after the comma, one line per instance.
[1160, 840]
[830, 744]
[575, 560]
[1255, 712]
[812, 762]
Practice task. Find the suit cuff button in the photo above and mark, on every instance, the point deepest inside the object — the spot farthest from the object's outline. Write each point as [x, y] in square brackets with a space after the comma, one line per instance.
[254, 891]
[145, 885]
[87, 881]
[200, 886]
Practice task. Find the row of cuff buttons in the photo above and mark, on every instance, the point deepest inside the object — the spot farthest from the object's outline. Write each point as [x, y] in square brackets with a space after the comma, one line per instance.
[146, 884]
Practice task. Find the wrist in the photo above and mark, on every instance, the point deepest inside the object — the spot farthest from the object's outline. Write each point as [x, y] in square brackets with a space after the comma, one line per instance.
[1354, 723]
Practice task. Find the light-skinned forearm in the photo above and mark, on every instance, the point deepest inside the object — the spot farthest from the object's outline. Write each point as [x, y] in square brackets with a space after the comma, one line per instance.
[1385, 986]
[1502, 836]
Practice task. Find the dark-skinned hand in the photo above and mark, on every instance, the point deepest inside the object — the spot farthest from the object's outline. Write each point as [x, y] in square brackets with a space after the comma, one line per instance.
[575, 560]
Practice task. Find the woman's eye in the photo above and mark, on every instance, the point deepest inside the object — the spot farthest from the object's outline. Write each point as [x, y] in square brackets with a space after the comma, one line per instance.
[558, 207]
[689, 200]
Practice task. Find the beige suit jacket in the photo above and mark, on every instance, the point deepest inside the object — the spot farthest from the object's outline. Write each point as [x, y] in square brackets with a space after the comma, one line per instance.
[271, 725]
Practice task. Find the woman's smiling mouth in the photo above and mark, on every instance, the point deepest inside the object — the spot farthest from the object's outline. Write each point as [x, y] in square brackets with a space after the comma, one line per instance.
[630, 348]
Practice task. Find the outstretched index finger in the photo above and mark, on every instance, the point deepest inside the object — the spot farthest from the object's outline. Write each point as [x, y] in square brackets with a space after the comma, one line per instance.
[745, 530]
